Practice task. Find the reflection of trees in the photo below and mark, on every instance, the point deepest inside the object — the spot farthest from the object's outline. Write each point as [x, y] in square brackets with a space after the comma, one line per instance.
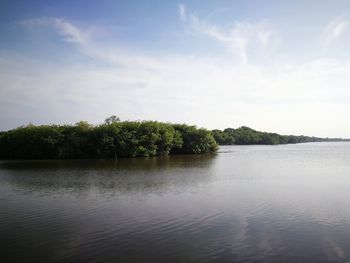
[126, 176]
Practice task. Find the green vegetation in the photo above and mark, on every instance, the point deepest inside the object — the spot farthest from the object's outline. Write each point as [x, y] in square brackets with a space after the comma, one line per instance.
[113, 138]
[248, 136]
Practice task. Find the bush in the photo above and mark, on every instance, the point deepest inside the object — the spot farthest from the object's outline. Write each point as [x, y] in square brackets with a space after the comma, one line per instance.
[113, 138]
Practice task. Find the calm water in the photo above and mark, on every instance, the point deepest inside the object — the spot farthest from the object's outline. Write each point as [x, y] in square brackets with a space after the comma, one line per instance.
[288, 203]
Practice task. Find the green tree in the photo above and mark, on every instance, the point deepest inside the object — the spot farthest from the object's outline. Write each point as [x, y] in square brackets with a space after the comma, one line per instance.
[112, 119]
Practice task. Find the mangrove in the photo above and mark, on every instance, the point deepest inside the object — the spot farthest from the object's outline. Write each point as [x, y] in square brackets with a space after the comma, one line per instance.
[115, 138]
[112, 139]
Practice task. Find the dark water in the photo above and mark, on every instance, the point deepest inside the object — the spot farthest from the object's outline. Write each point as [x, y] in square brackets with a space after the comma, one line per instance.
[287, 203]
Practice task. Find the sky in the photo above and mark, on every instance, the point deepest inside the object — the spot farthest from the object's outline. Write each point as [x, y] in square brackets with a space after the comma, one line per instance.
[278, 66]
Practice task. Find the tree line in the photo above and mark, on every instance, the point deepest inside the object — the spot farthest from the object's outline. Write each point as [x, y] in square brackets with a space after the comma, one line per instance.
[112, 139]
[115, 138]
[247, 136]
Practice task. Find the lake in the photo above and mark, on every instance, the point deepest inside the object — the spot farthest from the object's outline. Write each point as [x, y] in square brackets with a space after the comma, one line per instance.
[285, 203]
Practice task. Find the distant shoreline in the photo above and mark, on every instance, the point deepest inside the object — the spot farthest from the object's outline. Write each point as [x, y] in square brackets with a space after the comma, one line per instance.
[117, 139]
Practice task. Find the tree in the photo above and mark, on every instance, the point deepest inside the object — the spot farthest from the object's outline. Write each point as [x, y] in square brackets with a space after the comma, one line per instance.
[112, 119]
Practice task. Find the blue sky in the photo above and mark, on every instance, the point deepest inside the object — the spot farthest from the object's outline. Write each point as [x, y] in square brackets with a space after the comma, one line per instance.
[280, 66]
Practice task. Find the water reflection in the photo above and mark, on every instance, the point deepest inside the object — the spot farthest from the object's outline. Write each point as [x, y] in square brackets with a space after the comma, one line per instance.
[247, 204]
[141, 175]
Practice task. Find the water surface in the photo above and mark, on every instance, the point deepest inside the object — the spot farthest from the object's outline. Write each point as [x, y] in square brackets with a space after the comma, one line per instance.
[286, 203]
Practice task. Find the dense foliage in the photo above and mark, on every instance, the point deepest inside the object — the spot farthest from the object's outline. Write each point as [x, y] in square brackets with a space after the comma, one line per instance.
[108, 140]
[117, 138]
[246, 135]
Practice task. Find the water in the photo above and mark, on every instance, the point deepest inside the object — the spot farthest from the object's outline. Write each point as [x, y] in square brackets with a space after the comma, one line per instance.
[287, 203]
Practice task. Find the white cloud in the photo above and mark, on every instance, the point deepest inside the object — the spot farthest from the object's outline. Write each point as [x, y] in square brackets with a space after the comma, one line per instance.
[239, 38]
[335, 29]
[67, 30]
[182, 12]
[306, 98]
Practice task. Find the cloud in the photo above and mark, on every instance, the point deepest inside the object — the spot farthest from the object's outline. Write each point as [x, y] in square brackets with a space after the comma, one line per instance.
[303, 98]
[83, 39]
[239, 38]
[69, 32]
[182, 12]
[335, 29]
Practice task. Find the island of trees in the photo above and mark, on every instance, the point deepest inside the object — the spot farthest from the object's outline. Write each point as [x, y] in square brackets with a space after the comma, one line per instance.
[247, 136]
[112, 139]
[115, 138]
